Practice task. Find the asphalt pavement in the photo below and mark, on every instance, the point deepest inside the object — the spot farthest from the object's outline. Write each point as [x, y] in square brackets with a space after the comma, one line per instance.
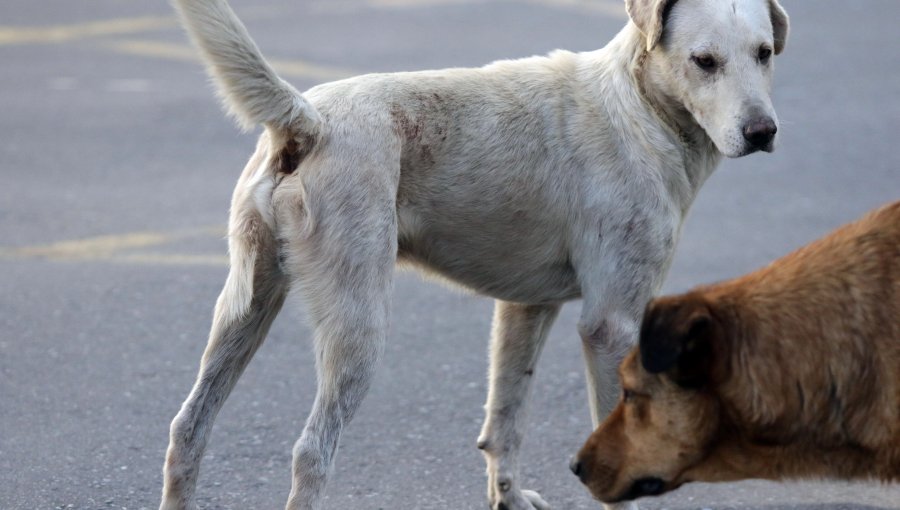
[117, 167]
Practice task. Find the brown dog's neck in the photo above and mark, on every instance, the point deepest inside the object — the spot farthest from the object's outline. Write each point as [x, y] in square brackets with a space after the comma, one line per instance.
[735, 459]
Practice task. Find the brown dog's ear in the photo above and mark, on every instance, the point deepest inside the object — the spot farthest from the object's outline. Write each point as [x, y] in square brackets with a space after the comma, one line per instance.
[650, 18]
[780, 25]
[676, 339]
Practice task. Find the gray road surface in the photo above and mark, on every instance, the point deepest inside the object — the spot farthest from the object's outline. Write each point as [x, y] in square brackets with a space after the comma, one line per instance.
[117, 167]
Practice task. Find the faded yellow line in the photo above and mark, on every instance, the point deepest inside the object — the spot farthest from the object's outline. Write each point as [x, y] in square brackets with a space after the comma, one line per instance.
[63, 33]
[171, 259]
[106, 247]
[183, 52]
[610, 8]
[88, 248]
[157, 49]
[301, 69]
[393, 4]
[605, 7]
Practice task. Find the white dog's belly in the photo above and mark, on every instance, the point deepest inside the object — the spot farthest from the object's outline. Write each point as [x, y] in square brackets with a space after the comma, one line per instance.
[509, 258]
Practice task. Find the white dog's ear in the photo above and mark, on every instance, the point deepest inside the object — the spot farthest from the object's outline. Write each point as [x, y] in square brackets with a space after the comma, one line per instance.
[650, 16]
[780, 25]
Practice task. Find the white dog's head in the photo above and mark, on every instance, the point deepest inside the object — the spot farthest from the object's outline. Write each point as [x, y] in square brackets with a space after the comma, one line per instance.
[714, 57]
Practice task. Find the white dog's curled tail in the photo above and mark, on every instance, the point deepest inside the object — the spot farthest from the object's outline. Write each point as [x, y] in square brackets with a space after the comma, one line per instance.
[250, 89]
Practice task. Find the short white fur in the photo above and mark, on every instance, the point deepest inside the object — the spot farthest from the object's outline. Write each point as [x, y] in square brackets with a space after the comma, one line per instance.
[534, 181]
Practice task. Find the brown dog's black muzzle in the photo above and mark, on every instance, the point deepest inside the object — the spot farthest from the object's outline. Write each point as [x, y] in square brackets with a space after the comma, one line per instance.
[644, 487]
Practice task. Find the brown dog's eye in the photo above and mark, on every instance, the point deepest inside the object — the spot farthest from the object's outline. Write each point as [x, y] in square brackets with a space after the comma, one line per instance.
[705, 62]
[627, 395]
[764, 53]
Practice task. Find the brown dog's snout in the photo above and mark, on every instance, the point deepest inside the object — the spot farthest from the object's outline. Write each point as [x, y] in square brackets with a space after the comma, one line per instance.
[578, 469]
[760, 131]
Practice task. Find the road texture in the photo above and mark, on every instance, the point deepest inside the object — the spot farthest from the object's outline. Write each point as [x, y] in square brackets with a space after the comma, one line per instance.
[117, 168]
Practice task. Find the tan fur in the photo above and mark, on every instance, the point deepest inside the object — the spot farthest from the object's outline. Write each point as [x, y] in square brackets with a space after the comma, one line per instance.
[792, 371]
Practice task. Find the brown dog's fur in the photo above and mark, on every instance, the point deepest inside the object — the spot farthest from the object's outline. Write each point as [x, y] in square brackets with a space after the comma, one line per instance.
[792, 371]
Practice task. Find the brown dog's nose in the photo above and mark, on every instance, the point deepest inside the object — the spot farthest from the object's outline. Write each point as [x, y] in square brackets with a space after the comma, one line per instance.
[760, 131]
[577, 469]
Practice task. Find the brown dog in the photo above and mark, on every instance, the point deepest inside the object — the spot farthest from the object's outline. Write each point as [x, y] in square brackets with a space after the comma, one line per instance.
[792, 371]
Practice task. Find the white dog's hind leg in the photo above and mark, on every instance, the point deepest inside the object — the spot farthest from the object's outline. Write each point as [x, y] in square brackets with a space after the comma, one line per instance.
[344, 270]
[348, 346]
[518, 335]
[246, 307]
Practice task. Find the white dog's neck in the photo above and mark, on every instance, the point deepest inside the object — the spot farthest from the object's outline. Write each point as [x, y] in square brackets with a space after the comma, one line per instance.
[693, 154]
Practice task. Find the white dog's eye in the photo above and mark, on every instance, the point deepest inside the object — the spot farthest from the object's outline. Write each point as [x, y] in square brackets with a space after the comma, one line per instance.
[763, 55]
[705, 62]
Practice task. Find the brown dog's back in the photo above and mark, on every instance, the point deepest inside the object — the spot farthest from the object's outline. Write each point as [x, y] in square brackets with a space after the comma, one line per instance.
[792, 371]
[820, 355]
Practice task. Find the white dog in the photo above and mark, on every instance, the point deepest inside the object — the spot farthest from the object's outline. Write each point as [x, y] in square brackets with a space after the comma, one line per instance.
[533, 181]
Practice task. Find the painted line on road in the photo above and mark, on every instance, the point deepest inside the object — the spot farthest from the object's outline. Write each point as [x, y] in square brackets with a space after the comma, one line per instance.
[149, 48]
[11, 35]
[65, 33]
[614, 9]
[111, 248]
[185, 53]
[171, 259]
[611, 8]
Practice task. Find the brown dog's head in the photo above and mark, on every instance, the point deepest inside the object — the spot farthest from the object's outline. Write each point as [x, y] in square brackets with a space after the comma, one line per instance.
[667, 418]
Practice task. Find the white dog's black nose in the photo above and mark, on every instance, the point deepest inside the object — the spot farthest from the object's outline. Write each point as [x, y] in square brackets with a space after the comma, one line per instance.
[760, 131]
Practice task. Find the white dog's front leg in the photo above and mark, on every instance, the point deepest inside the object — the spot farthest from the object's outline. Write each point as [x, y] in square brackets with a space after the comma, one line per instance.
[518, 335]
[606, 338]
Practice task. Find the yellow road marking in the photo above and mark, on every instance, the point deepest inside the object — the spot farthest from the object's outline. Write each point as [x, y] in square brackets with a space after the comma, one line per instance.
[118, 26]
[301, 69]
[86, 248]
[171, 259]
[612, 9]
[110, 248]
[156, 49]
[183, 52]
[64, 33]
[390, 4]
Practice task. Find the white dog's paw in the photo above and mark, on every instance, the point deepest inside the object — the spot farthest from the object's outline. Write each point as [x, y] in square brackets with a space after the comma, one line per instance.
[630, 505]
[520, 500]
[536, 500]
[177, 504]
